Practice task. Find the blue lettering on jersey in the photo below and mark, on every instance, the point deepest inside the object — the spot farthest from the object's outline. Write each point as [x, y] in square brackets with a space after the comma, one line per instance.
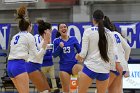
[16, 39]
[94, 29]
[117, 38]
[37, 40]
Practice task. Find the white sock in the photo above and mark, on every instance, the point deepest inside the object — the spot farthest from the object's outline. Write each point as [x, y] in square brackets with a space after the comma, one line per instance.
[95, 90]
[45, 91]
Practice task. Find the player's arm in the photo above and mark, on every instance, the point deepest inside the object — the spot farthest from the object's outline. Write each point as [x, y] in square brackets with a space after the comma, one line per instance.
[77, 46]
[115, 52]
[56, 49]
[39, 53]
[84, 50]
[126, 48]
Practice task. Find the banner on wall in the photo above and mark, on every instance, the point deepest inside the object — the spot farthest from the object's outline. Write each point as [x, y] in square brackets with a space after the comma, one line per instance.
[4, 36]
[133, 81]
[131, 31]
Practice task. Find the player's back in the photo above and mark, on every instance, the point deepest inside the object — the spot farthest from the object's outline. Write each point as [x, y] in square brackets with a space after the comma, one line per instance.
[91, 50]
[35, 55]
[19, 46]
[123, 49]
[92, 36]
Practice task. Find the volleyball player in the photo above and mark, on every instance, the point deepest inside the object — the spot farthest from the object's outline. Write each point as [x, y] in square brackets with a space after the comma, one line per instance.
[34, 65]
[64, 47]
[115, 79]
[47, 66]
[21, 44]
[97, 47]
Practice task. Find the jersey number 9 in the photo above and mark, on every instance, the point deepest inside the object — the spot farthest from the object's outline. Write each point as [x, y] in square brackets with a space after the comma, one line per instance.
[16, 39]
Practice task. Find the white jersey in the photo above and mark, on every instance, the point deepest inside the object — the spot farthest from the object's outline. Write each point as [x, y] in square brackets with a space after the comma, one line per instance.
[38, 44]
[91, 53]
[123, 50]
[38, 41]
[21, 44]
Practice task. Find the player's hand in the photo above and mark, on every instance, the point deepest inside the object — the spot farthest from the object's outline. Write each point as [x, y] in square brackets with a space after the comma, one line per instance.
[127, 74]
[46, 37]
[119, 68]
[61, 44]
[79, 58]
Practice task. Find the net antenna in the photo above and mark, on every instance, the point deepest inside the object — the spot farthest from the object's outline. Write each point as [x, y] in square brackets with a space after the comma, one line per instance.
[18, 1]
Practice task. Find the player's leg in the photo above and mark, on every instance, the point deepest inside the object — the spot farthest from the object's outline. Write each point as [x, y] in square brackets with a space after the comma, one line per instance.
[116, 86]
[84, 83]
[15, 83]
[102, 81]
[65, 81]
[52, 76]
[39, 81]
[111, 79]
[17, 72]
[45, 70]
[85, 79]
[37, 77]
[76, 69]
[21, 82]
[102, 86]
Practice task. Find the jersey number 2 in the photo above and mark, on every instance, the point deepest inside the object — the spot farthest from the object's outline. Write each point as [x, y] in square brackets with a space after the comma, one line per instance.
[66, 49]
[16, 39]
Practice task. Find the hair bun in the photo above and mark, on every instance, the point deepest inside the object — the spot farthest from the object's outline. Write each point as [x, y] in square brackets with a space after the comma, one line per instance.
[21, 12]
[40, 22]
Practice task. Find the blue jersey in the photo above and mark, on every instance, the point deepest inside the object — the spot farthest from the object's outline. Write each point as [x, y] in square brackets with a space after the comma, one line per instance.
[67, 53]
[47, 60]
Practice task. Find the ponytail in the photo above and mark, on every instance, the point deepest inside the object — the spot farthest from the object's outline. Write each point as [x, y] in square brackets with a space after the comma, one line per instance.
[102, 44]
[23, 23]
[57, 34]
[109, 25]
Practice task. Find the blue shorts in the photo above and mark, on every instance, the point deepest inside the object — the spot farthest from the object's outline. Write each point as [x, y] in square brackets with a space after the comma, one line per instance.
[31, 67]
[67, 67]
[94, 75]
[16, 67]
[117, 73]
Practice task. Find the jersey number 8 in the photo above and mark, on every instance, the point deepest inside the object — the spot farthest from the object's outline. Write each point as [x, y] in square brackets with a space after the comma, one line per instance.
[117, 38]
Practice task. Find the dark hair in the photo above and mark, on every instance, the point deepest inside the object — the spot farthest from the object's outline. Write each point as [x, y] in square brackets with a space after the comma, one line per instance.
[108, 24]
[60, 24]
[102, 44]
[58, 33]
[23, 23]
[43, 26]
